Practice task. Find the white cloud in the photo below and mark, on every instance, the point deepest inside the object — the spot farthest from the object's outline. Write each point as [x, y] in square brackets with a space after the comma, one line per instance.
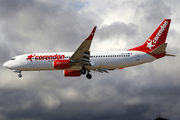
[49, 100]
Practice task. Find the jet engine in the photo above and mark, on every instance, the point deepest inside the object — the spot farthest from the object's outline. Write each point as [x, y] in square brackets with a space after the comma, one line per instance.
[62, 64]
[72, 73]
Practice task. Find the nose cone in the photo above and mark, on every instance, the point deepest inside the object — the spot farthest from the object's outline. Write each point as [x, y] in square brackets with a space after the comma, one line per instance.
[6, 65]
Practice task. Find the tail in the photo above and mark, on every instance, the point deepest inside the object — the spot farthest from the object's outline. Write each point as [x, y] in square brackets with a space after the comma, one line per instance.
[156, 40]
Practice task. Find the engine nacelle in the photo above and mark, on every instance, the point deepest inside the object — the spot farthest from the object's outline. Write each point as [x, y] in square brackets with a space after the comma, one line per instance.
[62, 64]
[72, 73]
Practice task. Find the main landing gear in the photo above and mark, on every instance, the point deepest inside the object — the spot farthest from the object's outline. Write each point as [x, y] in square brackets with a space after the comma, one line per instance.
[89, 76]
[83, 71]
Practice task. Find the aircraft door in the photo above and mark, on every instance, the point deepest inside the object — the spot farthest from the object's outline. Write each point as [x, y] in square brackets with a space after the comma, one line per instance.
[21, 59]
[137, 56]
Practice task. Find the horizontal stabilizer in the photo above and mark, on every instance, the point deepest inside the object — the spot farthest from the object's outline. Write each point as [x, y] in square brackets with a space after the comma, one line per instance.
[170, 55]
[161, 49]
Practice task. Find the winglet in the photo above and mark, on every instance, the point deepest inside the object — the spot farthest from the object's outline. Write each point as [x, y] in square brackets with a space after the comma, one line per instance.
[90, 37]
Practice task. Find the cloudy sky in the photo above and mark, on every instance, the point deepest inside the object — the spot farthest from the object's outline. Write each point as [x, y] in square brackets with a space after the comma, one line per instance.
[140, 92]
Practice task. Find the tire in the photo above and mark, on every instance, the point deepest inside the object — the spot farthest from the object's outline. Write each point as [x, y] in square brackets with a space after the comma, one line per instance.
[19, 75]
[89, 76]
[83, 71]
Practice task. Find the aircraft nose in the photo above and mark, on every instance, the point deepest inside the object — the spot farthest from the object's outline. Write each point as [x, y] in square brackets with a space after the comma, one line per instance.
[6, 65]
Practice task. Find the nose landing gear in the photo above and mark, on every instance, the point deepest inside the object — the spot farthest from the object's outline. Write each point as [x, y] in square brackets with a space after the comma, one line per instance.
[19, 75]
[18, 71]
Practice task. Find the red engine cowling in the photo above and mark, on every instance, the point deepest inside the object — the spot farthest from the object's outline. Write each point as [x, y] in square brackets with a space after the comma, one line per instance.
[72, 73]
[62, 64]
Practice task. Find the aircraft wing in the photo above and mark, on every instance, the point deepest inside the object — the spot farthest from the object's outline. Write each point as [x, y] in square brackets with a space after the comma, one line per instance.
[82, 54]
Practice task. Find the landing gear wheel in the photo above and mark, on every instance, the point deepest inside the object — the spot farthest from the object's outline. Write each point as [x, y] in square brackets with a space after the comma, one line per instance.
[83, 71]
[19, 75]
[89, 76]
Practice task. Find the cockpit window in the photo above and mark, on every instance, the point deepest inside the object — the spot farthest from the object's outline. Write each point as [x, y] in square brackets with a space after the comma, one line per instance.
[12, 58]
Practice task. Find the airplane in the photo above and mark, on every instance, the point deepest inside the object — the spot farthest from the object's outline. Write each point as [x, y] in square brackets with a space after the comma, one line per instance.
[83, 61]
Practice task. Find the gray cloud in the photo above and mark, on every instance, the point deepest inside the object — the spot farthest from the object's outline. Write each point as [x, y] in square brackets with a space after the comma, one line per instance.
[139, 92]
[118, 29]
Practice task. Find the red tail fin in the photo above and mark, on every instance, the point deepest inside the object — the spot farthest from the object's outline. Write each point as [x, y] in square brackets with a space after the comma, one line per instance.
[156, 39]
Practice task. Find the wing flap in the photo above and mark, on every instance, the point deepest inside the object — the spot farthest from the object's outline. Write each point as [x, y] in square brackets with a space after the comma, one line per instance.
[101, 70]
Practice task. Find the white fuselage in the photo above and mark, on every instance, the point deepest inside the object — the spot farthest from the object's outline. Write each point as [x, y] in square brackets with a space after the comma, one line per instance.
[99, 60]
[82, 61]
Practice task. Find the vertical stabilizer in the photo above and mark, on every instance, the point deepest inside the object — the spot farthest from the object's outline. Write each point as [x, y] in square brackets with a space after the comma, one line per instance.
[156, 39]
